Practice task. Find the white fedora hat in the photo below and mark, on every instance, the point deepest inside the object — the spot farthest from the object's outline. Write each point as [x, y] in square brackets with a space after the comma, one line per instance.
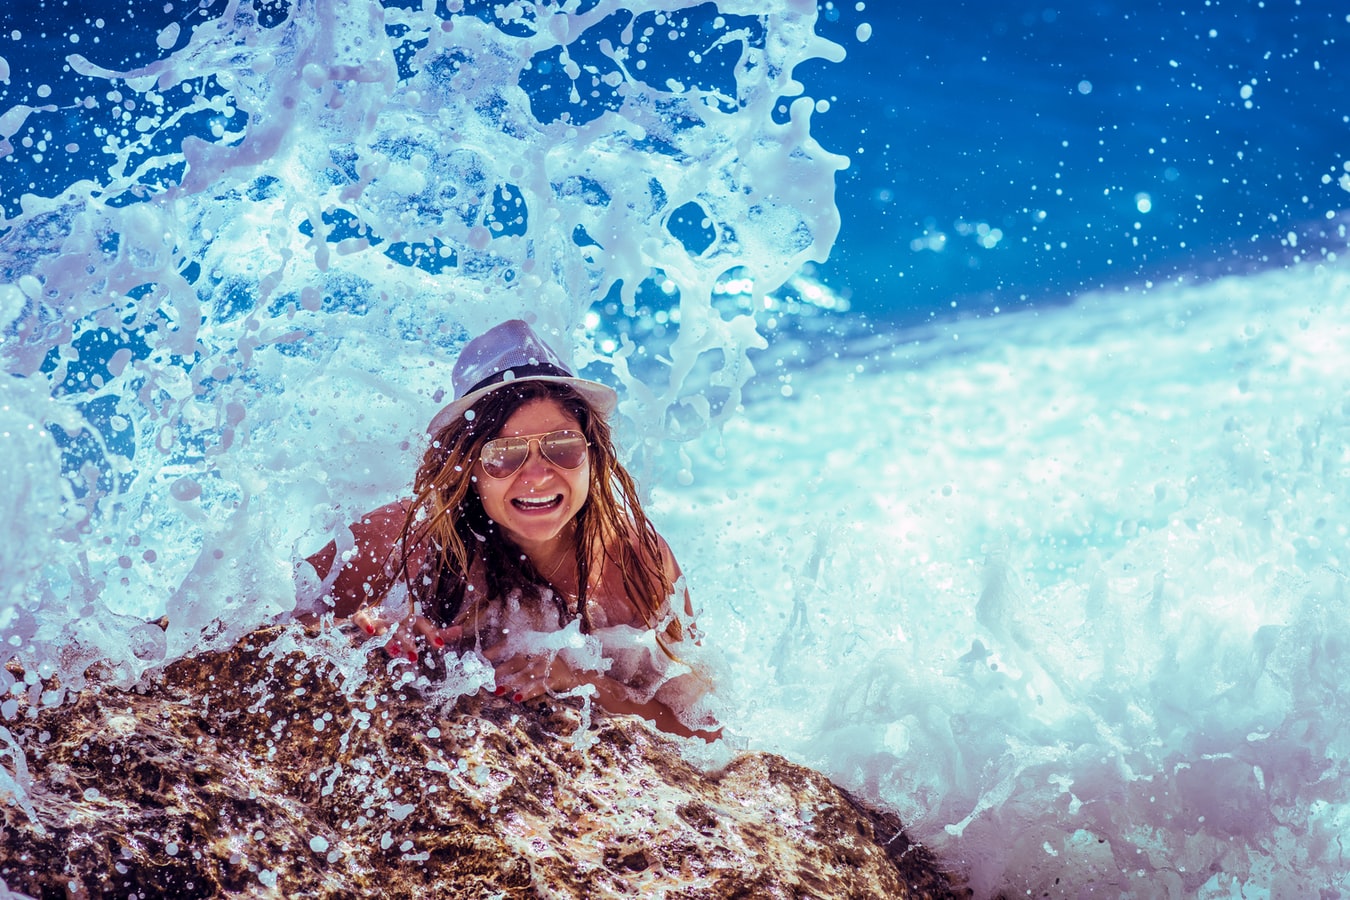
[507, 353]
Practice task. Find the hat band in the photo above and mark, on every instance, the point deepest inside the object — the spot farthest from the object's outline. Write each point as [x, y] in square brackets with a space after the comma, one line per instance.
[515, 372]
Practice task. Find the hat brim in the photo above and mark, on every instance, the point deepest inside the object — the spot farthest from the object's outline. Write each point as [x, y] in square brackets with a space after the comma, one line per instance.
[601, 397]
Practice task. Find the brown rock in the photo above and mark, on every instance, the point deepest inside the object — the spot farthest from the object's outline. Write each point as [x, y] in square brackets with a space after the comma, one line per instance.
[293, 766]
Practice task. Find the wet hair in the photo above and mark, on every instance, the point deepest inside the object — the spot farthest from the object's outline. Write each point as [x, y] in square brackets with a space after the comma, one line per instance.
[447, 518]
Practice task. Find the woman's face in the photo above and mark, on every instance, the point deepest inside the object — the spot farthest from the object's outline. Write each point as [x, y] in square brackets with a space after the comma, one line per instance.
[536, 503]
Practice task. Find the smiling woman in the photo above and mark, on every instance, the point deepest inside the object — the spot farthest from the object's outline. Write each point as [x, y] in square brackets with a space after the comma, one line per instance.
[535, 497]
[524, 526]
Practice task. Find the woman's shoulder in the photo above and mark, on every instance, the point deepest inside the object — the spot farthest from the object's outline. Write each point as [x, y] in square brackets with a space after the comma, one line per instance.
[383, 526]
[668, 562]
[651, 549]
[612, 587]
[642, 539]
[395, 511]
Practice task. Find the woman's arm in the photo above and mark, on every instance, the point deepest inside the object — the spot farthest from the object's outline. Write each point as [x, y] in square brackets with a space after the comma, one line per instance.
[686, 630]
[369, 568]
[613, 697]
[528, 677]
[674, 631]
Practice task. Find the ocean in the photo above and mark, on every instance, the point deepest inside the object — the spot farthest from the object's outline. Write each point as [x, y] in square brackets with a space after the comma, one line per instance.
[984, 367]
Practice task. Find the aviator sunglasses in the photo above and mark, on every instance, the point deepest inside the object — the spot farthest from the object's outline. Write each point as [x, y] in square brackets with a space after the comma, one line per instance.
[503, 457]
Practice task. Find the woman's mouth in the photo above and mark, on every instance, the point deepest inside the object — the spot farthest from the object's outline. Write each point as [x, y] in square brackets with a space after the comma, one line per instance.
[537, 504]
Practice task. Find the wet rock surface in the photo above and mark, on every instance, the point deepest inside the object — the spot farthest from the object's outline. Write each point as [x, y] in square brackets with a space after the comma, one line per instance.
[293, 765]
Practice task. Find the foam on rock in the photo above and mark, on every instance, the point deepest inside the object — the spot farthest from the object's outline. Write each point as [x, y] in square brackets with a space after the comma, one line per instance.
[279, 767]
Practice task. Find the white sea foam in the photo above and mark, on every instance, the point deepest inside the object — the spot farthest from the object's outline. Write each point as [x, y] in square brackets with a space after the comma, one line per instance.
[1066, 589]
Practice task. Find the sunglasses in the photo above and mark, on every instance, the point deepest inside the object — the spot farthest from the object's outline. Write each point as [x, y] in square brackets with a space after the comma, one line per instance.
[503, 457]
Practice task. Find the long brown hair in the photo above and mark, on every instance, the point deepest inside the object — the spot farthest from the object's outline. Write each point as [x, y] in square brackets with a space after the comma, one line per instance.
[447, 518]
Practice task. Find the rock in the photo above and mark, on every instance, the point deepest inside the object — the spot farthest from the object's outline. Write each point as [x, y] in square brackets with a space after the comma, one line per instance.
[295, 765]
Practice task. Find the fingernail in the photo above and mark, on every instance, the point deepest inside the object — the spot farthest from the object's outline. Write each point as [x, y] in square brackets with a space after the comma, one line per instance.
[438, 642]
[499, 690]
[517, 697]
[370, 629]
[412, 656]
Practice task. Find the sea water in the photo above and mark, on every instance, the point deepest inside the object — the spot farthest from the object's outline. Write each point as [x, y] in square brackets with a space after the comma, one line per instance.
[1065, 589]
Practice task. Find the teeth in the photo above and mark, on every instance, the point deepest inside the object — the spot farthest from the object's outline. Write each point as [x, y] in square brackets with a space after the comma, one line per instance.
[537, 502]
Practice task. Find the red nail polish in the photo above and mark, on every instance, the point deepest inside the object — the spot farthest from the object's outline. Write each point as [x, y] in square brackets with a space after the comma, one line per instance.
[438, 642]
[412, 656]
[370, 629]
[499, 690]
[518, 697]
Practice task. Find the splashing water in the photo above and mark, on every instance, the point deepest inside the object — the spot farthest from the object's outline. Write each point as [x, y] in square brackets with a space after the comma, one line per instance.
[231, 321]
[1068, 594]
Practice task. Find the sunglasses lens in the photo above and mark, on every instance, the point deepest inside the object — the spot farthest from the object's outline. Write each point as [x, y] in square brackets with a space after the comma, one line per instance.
[564, 448]
[504, 456]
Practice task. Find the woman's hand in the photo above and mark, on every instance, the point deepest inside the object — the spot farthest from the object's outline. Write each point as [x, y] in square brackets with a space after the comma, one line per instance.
[404, 631]
[525, 678]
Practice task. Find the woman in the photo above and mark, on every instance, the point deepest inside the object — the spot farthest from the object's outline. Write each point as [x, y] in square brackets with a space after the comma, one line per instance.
[523, 521]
